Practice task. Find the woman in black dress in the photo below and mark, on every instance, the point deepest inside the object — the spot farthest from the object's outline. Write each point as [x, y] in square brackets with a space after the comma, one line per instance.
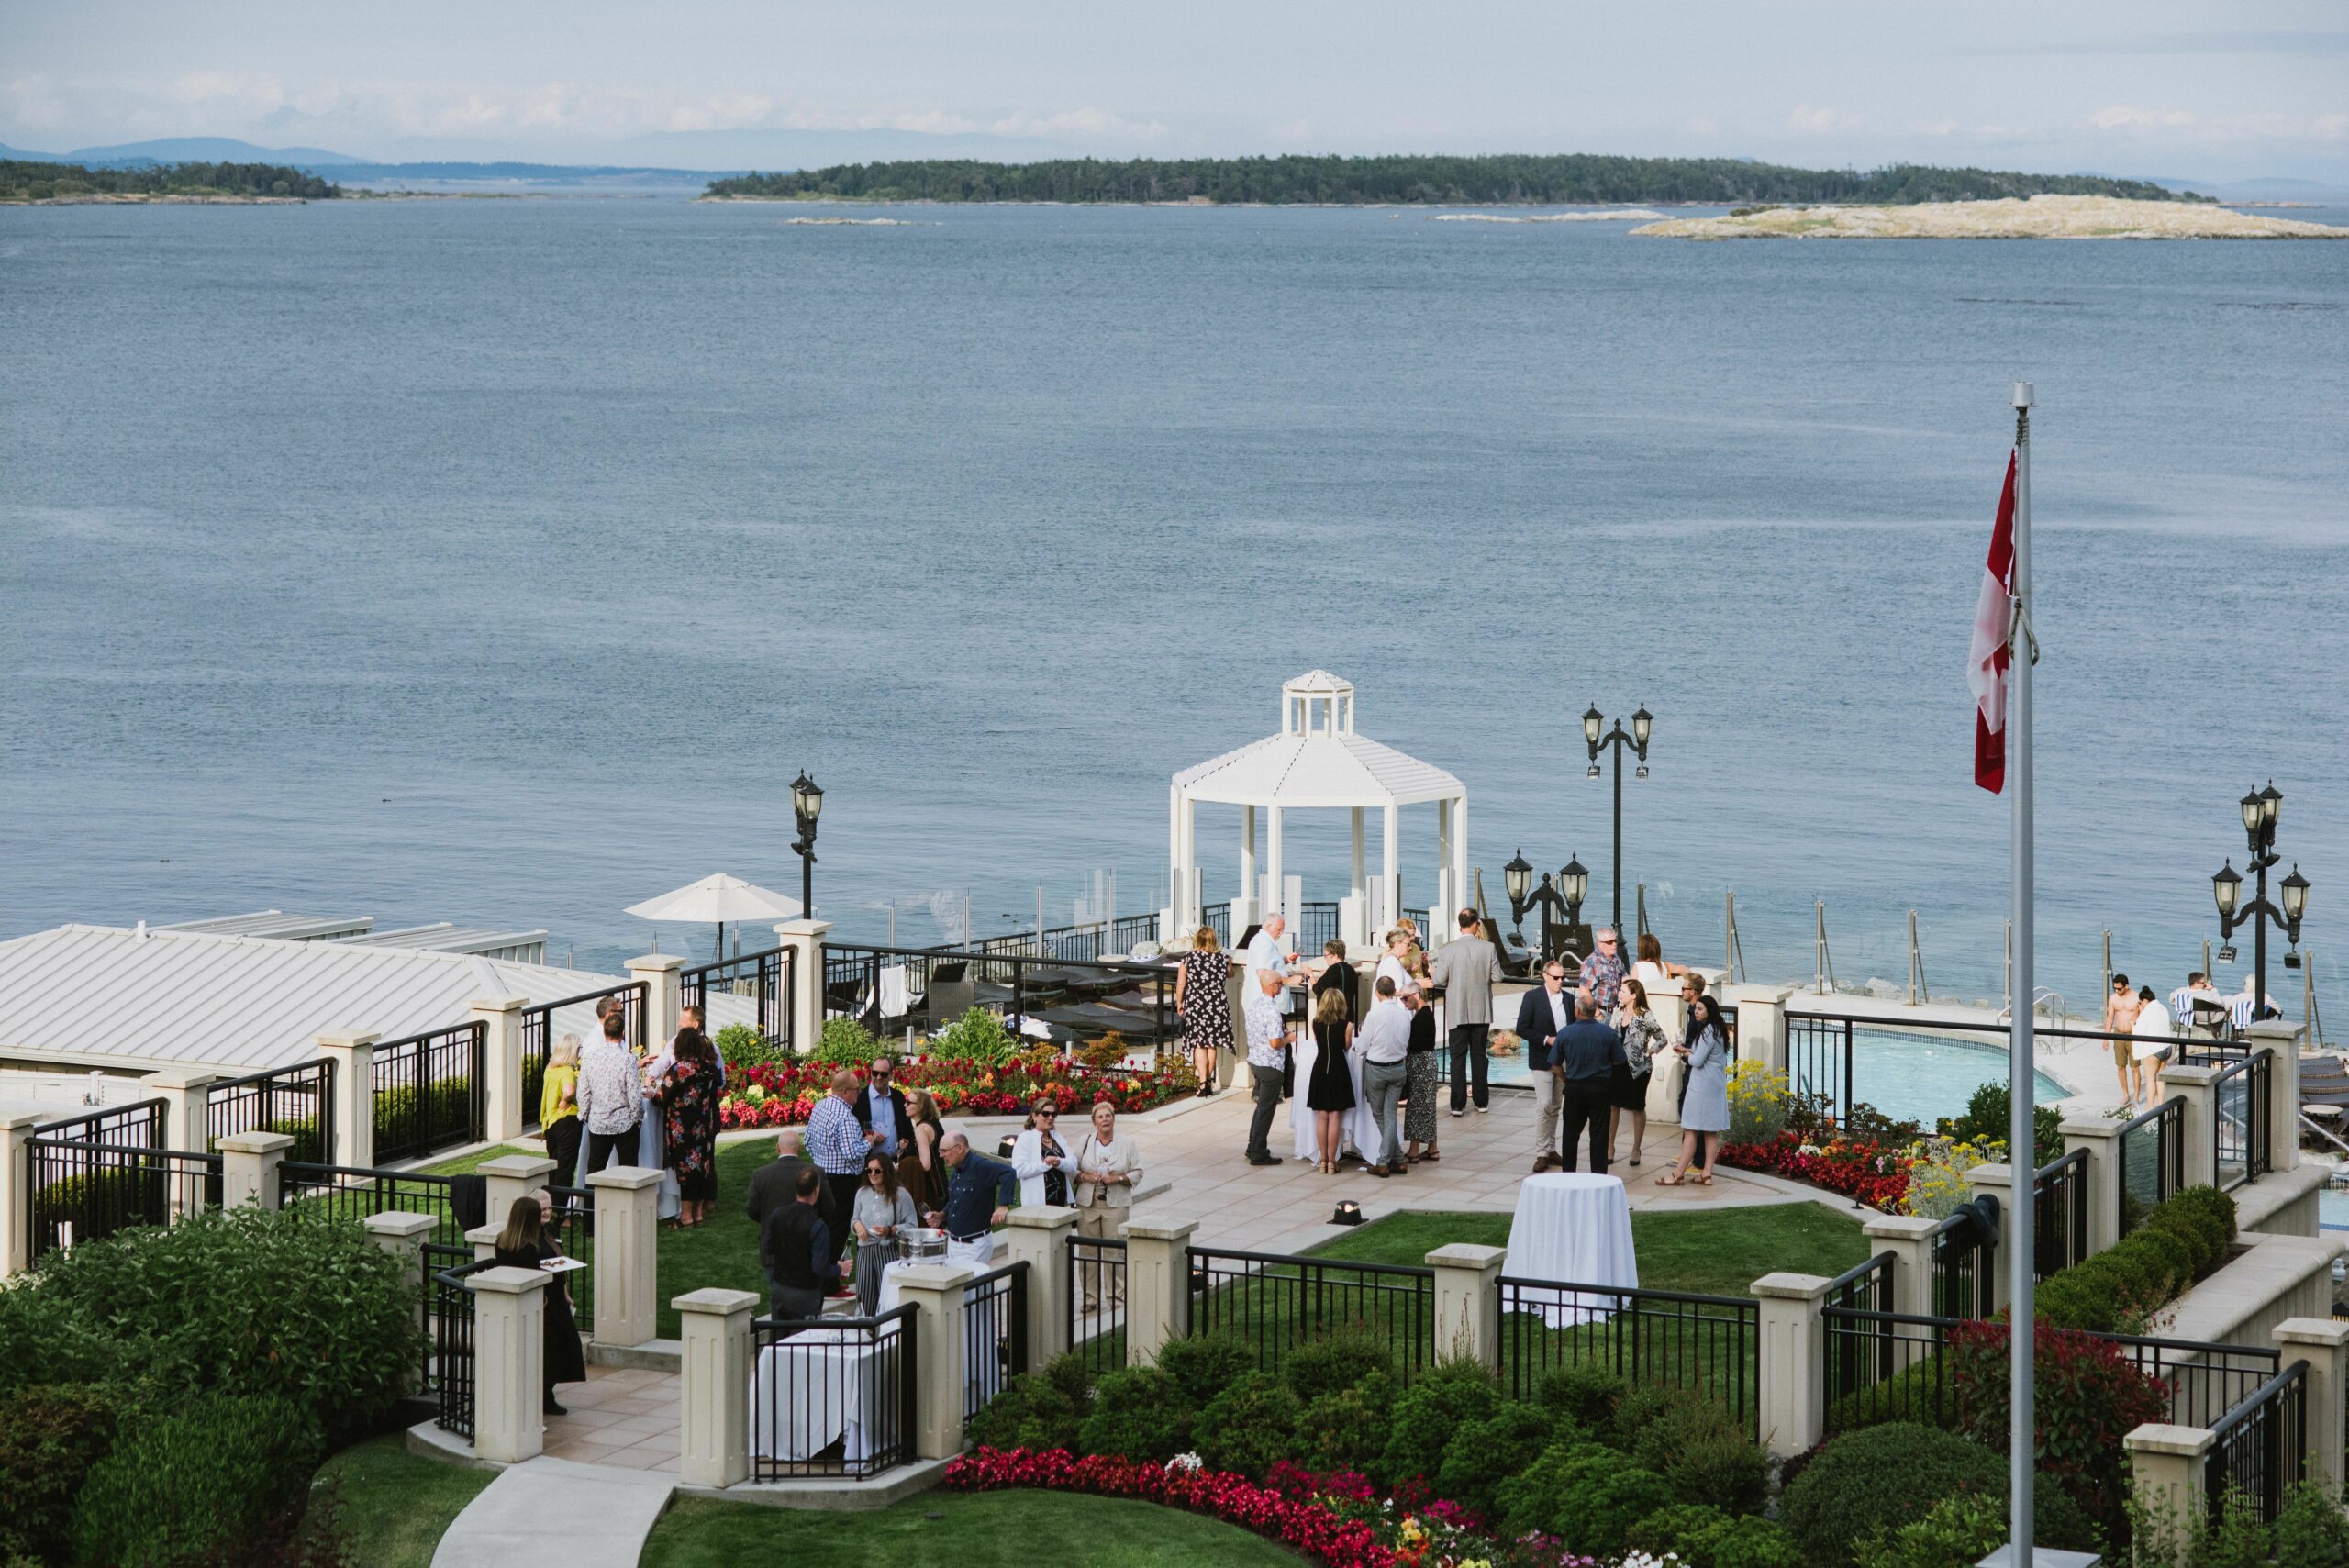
[1204, 1003]
[1419, 1079]
[1330, 1093]
[1339, 975]
[525, 1244]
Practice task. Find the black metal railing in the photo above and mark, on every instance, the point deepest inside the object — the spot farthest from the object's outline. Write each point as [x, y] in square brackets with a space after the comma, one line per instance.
[1964, 1269]
[1865, 1357]
[2239, 1097]
[297, 1101]
[453, 1380]
[2261, 1447]
[2149, 1162]
[1077, 1000]
[428, 1092]
[1671, 1337]
[1219, 916]
[2060, 1214]
[763, 979]
[138, 1126]
[1275, 1303]
[832, 1395]
[1821, 1049]
[438, 1257]
[1315, 923]
[1097, 1293]
[84, 1191]
[995, 1334]
[1128, 932]
[352, 1192]
[539, 1036]
[574, 1232]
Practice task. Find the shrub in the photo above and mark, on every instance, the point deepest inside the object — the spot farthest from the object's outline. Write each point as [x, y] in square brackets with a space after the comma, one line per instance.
[844, 1043]
[1937, 1168]
[742, 1048]
[1107, 1050]
[1585, 1391]
[1347, 1430]
[1428, 1413]
[978, 1036]
[1072, 1376]
[1693, 1442]
[1956, 1532]
[1726, 1469]
[1879, 1478]
[2309, 1533]
[1203, 1368]
[2113, 1291]
[1986, 1121]
[1030, 1413]
[2086, 1397]
[1249, 1424]
[1758, 1103]
[1704, 1537]
[51, 1434]
[202, 1481]
[1138, 1412]
[1587, 1494]
[1919, 1392]
[1334, 1362]
[1477, 1459]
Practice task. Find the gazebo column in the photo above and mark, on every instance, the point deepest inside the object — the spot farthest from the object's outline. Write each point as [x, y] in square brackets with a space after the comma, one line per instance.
[1354, 914]
[1172, 917]
[1274, 901]
[1463, 890]
[1243, 905]
[1390, 870]
[1447, 897]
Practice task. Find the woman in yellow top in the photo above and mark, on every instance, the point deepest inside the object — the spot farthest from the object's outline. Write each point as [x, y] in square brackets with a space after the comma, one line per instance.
[558, 1109]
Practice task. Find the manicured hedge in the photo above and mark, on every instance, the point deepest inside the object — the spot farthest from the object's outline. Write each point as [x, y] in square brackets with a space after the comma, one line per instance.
[2113, 1292]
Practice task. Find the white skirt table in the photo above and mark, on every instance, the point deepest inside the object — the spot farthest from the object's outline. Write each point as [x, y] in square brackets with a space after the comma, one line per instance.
[1574, 1229]
[1358, 1130]
[813, 1390]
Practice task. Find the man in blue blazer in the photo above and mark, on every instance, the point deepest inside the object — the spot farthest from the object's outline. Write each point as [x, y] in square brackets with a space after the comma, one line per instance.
[1540, 1016]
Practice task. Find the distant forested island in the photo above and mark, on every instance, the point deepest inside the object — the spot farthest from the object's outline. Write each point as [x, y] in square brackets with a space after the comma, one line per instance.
[1511, 179]
[23, 181]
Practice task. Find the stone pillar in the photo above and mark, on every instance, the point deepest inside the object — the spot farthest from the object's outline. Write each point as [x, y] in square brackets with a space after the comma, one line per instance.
[1910, 1239]
[354, 1097]
[2323, 1344]
[17, 1125]
[714, 1437]
[402, 1235]
[186, 1093]
[501, 1064]
[1468, 1303]
[509, 1363]
[249, 1162]
[2283, 1042]
[1761, 1023]
[2100, 1136]
[1999, 1181]
[511, 1176]
[1158, 1287]
[663, 994]
[1793, 1354]
[1039, 1237]
[627, 1285]
[2165, 1477]
[941, 1346]
[482, 1240]
[2194, 1085]
[804, 939]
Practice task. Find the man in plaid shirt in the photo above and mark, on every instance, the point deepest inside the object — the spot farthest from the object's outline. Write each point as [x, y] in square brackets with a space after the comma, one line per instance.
[1602, 972]
[836, 1142]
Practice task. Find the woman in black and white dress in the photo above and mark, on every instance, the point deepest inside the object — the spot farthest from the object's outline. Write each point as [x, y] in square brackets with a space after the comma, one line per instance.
[1201, 998]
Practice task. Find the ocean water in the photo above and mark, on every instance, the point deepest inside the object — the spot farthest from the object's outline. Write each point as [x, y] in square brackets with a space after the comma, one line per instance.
[503, 561]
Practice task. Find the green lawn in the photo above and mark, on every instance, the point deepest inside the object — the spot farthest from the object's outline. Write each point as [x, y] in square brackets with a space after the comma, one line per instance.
[466, 1165]
[980, 1530]
[394, 1506]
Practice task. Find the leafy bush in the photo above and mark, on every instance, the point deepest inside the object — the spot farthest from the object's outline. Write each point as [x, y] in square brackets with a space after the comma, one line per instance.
[2113, 1291]
[1477, 1459]
[1038, 1410]
[1704, 1537]
[1937, 1180]
[1587, 1391]
[1584, 1493]
[1879, 1478]
[1107, 1050]
[1918, 1391]
[1203, 1368]
[1986, 1121]
[1249, 1424]
[742, 1047]
[844, 1043]
[978, 1036]
[1426, 1414]
[1347, 1430]
[244, 1302]
[1758, 1101]
[1956, 1532]
[51, 1434]
[2309, 1533]
[1334, 1362]
[446, 1103]
[1693, 1442]
[1138, 1412]
[2086, 1397]
[200, 1480]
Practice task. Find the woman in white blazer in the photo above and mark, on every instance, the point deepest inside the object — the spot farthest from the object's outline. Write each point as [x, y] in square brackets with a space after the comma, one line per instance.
[1044, 1159]
[1109, 1169]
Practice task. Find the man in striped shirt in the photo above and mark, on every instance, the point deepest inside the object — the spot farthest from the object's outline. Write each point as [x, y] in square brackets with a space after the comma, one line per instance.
[836, 1142]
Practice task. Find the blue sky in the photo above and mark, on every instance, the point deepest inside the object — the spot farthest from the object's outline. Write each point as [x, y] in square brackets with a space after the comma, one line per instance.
[2218, 91]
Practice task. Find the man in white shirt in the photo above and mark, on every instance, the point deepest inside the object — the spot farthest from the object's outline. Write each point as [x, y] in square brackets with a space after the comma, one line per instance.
[2198, 988]
[1266, 949]
[1384, 1038]
[611, 1098]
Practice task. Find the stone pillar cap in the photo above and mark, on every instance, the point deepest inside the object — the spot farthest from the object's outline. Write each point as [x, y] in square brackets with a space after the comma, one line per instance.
[399, 1223]
[25, 1115]
[625, 1178]
[1161, 1229]
[522, 1165]
[2201, 1077]
[2092, 1125]
[1043, 1219]
[348, 1040]
[1905, 1225]
[507, 1281]
[1745, 991]
[2313, 1331]
[715, 1301]
[498, 1003]
[182, 1077]
[485, 1235]
[653, 963]
[2160, 1437]
[1467, 1255]
[256, 1142]
[933, 1277]
[1791, 1288]
[802, 928]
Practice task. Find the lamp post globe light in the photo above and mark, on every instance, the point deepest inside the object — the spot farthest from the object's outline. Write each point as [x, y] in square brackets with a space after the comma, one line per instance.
[806, 804]
[2260, 810]
[1561, 930]
[1634, 740]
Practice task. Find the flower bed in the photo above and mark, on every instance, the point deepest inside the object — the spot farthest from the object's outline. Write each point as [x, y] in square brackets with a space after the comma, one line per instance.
[784, 1096]
[1876, 1174]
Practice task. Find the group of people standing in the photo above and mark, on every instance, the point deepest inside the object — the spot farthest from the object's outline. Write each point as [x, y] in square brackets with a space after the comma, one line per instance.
[612, 1103]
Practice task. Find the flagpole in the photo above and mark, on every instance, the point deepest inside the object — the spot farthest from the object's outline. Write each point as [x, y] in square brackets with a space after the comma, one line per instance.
[2021, 1141]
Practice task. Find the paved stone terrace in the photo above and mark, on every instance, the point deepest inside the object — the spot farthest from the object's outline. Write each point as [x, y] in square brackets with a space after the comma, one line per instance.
[626, 1417]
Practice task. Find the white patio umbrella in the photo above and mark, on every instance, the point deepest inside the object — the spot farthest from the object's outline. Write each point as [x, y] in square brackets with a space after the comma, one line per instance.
[718, 899]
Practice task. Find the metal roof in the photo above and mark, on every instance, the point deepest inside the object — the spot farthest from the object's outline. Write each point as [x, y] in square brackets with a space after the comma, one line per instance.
[153, 998]
[1316, 759]
[279, 924]
[444, 936]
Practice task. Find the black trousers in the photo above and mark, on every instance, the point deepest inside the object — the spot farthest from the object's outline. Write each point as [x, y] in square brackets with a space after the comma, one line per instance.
[608, 1149]
[1468, 1053]
[1266, 1085]
[1583, 1105]
[787, 1301]
[562, 1147]
[844, 1194]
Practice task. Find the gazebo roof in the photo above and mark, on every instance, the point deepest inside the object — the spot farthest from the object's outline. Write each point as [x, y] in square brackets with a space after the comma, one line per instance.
[1316, 759]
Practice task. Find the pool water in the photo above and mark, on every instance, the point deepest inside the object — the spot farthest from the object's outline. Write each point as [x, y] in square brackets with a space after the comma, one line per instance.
[2332, 1209]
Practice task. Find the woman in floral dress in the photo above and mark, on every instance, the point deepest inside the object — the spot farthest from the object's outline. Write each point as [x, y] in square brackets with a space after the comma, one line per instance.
[689, 1095]
[1205, 1004]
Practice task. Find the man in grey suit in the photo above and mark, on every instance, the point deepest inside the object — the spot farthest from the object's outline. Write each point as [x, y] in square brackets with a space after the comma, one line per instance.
[1466, 969]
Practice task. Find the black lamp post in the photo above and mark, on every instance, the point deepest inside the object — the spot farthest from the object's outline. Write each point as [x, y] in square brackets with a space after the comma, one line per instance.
[806, 804]
[1561, 912]
[2260, 809]
[1593, 722]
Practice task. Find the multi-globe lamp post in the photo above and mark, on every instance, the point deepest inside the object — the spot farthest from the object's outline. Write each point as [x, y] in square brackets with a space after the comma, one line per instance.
[806, 804]
[1561, 905]
[2260, 809]
[1593, 723]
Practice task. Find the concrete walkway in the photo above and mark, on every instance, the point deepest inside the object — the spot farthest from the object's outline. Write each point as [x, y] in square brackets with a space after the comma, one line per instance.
[554, 1513]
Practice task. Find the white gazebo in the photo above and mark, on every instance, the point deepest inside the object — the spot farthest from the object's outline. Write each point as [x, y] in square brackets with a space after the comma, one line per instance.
[1317, 763]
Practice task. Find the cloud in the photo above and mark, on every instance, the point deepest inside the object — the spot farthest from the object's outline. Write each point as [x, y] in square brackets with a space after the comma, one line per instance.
[1823, 122]
[2127, 119]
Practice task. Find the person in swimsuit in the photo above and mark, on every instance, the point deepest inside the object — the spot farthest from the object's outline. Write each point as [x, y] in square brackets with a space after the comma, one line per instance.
[2120, 1025]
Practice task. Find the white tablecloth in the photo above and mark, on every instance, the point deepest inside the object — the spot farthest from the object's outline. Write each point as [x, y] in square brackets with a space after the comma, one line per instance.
[1360, 1129]
[984, 1331]
[811, 1390]
[1576, 1229]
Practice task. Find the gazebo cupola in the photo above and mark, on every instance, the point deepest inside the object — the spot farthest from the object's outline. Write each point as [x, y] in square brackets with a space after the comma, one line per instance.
[1316, 762]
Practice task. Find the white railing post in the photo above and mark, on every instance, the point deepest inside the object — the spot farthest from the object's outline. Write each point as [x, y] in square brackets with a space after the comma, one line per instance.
[249, 1162]
[2100, 1136]
[1761, 1023]
[17, 1125]
[2198, 1087]
[628, 1284]
[1910, 1239]
[509, 1364]
[401, 1234]
[804, 939]
[2323, 1344]
[512, 1176]
[353, 1056]
[2166, 1478]
[1158, 1285]
[186, 1093]
[1039, 1237]
[2000, 1182]
[663, 978]
[482, 1240]
[2282, 1042]
[714, 1396]
[503, 1115]
[1793, 1355]
[941, 1346]
[1468, 1303]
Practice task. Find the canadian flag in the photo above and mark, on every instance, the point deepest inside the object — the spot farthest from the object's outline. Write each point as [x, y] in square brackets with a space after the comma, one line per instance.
[1993, 618]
